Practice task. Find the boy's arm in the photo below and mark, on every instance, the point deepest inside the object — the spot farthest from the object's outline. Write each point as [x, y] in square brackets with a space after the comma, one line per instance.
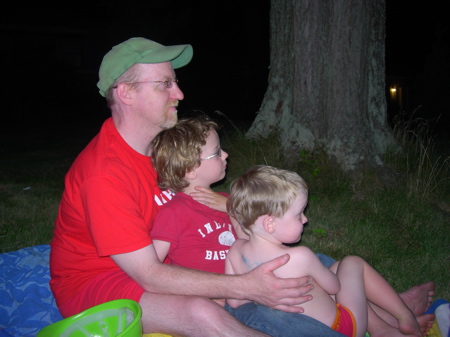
[311, 265]
[161, 248]
[208, 197]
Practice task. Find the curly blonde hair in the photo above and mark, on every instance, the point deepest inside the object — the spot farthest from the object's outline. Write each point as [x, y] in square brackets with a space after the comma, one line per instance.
[263, 190]
[177, 151]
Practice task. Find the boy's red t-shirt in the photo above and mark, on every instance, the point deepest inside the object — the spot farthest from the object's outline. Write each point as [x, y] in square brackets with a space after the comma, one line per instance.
[110, 200]
[200, 237]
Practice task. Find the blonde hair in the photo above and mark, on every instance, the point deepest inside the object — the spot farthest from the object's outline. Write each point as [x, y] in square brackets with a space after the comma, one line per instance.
[177, 151]
[263, 190]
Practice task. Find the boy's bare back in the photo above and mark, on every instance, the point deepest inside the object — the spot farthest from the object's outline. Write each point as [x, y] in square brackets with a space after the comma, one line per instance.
[245, 255]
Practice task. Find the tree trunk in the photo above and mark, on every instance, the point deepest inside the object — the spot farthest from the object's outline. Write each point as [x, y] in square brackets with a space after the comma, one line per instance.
[326, 82]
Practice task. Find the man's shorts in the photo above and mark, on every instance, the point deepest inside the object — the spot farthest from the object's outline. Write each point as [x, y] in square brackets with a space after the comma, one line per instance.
[105, 287]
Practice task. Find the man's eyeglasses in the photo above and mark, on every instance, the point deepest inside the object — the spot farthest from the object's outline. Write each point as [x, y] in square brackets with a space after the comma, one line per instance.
[167, 83]
[218, 153]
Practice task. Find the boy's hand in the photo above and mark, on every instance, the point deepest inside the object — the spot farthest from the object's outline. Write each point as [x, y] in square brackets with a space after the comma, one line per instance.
[208, 197]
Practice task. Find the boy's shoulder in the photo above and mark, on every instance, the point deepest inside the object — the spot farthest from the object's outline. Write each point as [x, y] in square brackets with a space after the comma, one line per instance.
[173, 203]
[174, 198]
[302, 253]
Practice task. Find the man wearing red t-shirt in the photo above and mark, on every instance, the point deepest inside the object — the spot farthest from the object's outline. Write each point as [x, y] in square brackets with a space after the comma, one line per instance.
[102, 249]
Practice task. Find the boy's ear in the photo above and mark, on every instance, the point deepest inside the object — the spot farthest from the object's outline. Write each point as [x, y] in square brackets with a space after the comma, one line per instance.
[269, 224]
[191, 175]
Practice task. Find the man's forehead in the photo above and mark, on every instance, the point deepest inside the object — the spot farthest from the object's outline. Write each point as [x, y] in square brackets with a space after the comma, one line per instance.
[164, 68]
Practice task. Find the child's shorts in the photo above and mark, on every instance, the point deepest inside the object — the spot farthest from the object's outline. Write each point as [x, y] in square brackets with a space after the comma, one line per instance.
[345, 321]
[105, 287]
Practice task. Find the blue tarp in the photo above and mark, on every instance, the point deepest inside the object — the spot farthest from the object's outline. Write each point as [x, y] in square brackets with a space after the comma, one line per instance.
[26, 302]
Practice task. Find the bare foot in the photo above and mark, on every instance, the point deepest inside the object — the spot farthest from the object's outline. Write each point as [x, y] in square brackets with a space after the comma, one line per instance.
[410, 325]
[385, 330]
[425, 322]
[419, 298]
[389, 331]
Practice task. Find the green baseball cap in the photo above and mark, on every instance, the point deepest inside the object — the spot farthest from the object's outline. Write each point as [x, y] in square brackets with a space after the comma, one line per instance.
[139, 50]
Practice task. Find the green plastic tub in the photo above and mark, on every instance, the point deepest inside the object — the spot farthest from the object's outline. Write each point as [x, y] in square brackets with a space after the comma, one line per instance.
[119, 318]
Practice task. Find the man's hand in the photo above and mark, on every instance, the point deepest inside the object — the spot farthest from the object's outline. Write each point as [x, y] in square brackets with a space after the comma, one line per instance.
[208, 197]
[283, 294]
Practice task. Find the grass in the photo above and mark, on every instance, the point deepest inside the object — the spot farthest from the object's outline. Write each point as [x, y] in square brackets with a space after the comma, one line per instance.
[425, 170]
[401, 229]
[32, 169]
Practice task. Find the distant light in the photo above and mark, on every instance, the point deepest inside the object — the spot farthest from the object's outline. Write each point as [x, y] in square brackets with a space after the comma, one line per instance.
[393, 93]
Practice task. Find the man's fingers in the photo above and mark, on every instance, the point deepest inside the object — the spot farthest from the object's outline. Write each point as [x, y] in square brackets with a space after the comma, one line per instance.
[276, 263]
[289, 308]
[291, 304]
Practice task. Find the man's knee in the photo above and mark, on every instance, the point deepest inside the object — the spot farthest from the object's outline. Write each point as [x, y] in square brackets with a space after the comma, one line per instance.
[212, 318]
[204, 310]
[182, 315]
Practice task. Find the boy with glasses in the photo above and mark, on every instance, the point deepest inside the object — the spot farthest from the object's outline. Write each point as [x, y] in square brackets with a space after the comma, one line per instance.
[102, 249]
[186, 232]
[190, 234]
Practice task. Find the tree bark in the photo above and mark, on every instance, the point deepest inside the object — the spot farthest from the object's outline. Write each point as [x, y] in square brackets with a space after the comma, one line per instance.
[326, 82]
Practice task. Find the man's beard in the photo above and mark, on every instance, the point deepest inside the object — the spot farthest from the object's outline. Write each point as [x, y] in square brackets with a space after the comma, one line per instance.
[169, 122]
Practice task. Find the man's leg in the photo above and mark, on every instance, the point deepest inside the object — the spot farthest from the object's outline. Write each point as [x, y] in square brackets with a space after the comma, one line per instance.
[278, 323]
[325, 259]
[189, 316]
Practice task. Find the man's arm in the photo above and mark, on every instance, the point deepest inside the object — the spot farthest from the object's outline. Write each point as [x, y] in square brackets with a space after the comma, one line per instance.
[161, 248]
[259, 285]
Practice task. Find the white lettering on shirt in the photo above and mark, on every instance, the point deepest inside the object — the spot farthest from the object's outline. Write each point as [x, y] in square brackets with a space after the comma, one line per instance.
[161, 200]
[225, 238]
[208, 228]
[216, 255]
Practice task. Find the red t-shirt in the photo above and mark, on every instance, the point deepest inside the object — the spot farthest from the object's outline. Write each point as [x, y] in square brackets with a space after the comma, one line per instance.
[199, 236]
[110, 200]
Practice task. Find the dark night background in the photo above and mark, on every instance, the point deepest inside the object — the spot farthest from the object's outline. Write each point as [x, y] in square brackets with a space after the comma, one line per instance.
[51, 55]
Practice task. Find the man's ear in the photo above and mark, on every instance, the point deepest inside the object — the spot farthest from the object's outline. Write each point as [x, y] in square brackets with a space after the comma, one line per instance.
[124, 93]
[269, 224]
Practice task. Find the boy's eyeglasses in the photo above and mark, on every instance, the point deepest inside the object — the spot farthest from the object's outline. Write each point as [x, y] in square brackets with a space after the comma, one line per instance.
[218, 153]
